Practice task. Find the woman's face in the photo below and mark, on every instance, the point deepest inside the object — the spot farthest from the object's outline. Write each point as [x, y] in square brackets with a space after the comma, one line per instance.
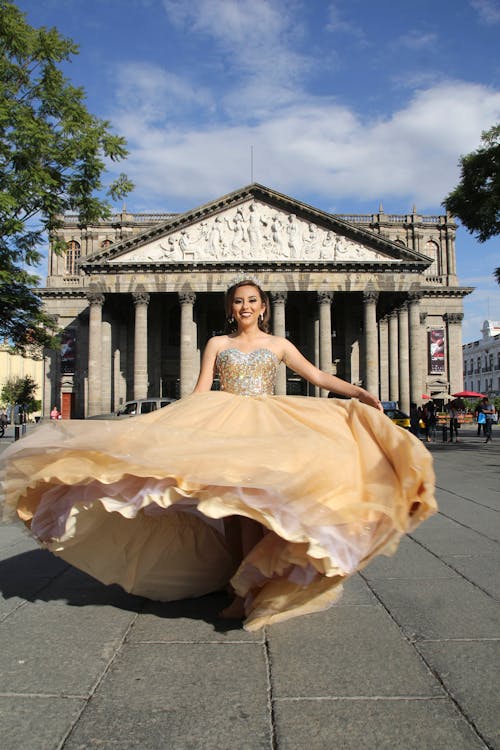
[247, 306]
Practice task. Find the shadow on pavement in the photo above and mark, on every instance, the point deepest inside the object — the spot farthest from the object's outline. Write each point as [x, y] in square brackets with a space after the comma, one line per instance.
[38, 575]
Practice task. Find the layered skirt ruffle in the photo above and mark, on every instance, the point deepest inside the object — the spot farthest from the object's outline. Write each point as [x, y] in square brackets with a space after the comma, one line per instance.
[142, 502]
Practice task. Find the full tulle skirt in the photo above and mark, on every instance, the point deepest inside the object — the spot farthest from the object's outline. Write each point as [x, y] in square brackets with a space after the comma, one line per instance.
[141, 502]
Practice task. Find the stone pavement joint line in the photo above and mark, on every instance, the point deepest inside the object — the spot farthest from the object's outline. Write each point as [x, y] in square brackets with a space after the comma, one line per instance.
[408, 657]
[434, 674]
[449, 565]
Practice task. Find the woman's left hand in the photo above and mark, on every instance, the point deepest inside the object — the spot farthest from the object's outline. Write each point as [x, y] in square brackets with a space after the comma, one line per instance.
[367, 398]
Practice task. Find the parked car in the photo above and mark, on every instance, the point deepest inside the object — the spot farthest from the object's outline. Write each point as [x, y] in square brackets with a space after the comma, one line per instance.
[143, 406]
[398, 417]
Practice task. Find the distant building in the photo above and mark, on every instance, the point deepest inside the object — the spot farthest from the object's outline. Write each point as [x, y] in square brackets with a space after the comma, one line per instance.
[482, 361]
[374, 298]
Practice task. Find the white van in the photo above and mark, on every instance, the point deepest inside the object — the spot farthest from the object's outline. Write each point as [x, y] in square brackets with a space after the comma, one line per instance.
[143, 406]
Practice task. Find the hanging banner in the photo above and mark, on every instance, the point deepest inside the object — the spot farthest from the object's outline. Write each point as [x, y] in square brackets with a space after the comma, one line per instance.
[68, 352]
[436, 351]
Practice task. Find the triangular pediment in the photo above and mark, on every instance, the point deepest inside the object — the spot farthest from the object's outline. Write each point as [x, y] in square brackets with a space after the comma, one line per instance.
[254, 224]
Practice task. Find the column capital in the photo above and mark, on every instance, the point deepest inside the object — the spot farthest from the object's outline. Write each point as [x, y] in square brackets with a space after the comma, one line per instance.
[140, 298]
[278, 298]
[370, 295]
[423, 318]
[96, 298]
[325, 297]
[414, 297]
[187, 298]
[403, 307]
[455, 318]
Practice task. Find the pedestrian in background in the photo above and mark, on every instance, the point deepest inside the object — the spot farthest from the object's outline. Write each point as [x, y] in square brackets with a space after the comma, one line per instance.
[480, 419]
[489, 412]
[454, 410]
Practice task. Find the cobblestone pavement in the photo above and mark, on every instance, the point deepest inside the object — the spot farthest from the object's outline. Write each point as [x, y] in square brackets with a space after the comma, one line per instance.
[407, 659]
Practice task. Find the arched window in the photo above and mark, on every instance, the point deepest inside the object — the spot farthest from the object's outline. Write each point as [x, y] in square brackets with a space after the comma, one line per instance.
[72, 256]
[106, 243]
[432, 251]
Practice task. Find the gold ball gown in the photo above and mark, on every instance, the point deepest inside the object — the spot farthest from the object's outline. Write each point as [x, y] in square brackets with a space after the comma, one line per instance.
[141, 502]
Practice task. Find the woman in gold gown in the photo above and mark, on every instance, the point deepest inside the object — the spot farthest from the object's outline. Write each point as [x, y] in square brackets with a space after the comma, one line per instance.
[283, 496]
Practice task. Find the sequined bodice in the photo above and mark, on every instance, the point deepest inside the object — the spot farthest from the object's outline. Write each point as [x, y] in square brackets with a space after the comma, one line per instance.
[247, 374]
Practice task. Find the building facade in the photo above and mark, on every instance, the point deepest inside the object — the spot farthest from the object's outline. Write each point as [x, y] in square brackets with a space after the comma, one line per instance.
[481, 361]
[373, 298]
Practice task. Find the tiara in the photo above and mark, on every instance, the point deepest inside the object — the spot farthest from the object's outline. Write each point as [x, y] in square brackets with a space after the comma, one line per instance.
[244, 277]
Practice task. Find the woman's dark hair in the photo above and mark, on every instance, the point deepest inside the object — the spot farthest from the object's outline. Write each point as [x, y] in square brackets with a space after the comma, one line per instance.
[230, 295]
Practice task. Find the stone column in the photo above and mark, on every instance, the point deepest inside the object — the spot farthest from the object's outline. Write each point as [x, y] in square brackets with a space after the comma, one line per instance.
[106, 371]
[325, 335]
[424, 369]
[370, 298]
[454, 350]
[316, 350]
[96, 302]
[404, 359]
[141, 302]
[278, 300]
[383, 338]
[120, 365]
[188, 343]
[49, 381]
[450, 253]
[415, 347]
[393, 357]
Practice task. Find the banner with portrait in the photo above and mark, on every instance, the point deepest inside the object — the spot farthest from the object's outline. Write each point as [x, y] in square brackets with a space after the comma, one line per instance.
[68, 352]
[436, 351]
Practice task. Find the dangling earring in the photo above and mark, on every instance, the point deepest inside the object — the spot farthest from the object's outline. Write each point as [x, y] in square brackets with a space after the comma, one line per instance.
[230, 320]
[261, 317]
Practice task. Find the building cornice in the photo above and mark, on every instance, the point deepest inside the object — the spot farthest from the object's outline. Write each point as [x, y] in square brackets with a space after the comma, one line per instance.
[447, 291]
[258, 266]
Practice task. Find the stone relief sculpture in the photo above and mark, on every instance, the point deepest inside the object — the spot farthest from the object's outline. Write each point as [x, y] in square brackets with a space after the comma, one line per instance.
[252, 231]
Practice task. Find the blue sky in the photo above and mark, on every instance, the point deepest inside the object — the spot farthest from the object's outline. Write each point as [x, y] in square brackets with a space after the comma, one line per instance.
[343, 104]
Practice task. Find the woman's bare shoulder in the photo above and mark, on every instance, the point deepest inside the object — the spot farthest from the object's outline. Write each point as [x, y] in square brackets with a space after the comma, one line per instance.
[277, 344]
[217, 343]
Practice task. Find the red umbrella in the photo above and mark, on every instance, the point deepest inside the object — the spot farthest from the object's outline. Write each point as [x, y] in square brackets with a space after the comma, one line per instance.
[469, 394]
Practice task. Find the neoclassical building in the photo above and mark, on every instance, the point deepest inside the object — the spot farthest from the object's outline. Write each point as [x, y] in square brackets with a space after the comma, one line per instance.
[374, 298]
[481, 361]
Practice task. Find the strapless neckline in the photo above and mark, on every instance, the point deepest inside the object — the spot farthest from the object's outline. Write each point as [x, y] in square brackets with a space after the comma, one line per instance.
[248, 354]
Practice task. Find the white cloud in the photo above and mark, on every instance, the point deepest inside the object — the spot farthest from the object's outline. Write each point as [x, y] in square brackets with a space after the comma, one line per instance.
[417, 40]
[488, 10]
[338, 25]
[154, 94]
[411, 154]
[257, 41]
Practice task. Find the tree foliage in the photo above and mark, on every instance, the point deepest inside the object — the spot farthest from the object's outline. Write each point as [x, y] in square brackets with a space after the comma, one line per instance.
[20, 391]
[53, 154]
[476, 199]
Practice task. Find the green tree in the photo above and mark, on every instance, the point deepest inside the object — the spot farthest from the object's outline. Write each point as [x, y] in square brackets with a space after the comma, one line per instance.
[476, 199]
[20, 391]
[53, 155]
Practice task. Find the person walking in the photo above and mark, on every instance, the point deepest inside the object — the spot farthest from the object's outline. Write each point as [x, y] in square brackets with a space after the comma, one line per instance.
[454, 411]
[480, 419]
[489, 412]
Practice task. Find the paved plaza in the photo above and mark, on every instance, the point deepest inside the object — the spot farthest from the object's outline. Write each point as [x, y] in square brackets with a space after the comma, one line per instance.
[408, 658]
